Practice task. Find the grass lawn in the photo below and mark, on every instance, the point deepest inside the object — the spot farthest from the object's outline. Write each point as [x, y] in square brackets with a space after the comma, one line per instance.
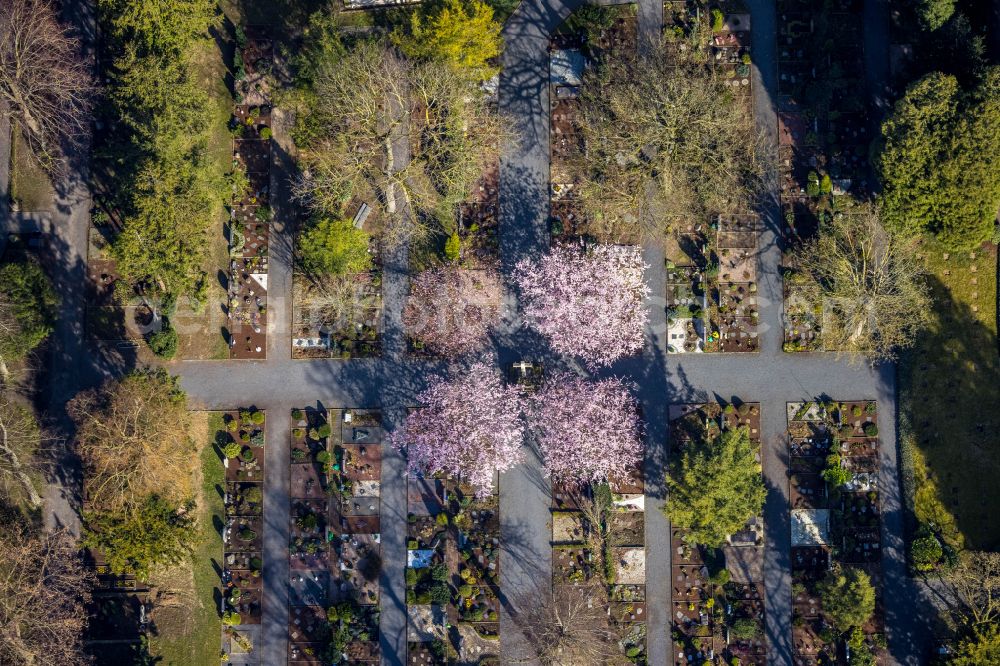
[192, 634]
[949, 392]
[30, 186]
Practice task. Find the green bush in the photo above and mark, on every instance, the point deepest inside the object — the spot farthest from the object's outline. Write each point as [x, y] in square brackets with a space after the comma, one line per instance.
[265, 133]
[324, 431]
[246, 454]
[411, 544]
[254, 495]
[334, 247]
[439, 572]
[718, 19]
[439, 594]
[163, 342]
[871, 430]
[231, 618]
[441, 519]
[297, 415]
[633, 652]
[324, 457]
[232, 450]
[745, 628]
[453, 247]
[926, 552]
[411, 576]
[257, 418]
[465, 590]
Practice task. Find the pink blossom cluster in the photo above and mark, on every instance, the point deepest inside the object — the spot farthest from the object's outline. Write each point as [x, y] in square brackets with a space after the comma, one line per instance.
[587, 430]
[470, 426]
[587, 302]
[452, 310]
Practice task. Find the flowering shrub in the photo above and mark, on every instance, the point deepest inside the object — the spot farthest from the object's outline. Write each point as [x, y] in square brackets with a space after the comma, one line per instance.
[587, 431]
[451, 310]
[588, 303]
[471, 426]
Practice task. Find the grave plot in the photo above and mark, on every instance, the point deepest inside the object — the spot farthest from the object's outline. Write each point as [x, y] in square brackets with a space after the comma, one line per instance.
[574, 45]
[340, 315]
[598, 540]
[115, 612]
[335, 553]
[836, 523]
[452, 573]
[252, 65]
[717, 595]
[711, 286]
[250, 215]
[242, 534]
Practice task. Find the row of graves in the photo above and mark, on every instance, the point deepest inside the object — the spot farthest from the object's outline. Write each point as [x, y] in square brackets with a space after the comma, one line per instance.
[242, 536]
[599, 542]
[452, 572]
[711, 265]
[717, 594]
[711, 298]
[250, 214]
[573, 48]
[824, 134]
[833, 472]
[335, 552]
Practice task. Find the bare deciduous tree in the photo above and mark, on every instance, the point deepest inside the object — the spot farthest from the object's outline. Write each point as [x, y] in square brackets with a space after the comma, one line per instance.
[570, 627]
[43, 78]
[371, 108]
[666, 139]
[135, 440]
[974, 587]
[43, 589]
[20, 438]
[875, 300]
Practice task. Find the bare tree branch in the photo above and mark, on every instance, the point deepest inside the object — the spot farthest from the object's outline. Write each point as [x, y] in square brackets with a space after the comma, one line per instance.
[43, 78]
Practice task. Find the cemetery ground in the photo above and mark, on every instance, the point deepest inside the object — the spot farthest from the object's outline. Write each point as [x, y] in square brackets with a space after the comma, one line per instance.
[824, 132]
[717, 594]
[200, 326]
[834, 495]
[946, 382]
[452, 573]
[335, 557]
[605, 523]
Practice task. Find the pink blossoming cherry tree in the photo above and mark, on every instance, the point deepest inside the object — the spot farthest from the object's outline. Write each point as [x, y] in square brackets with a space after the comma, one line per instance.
[587, 431]
[587, 302]
[452, 310]
[471, 426]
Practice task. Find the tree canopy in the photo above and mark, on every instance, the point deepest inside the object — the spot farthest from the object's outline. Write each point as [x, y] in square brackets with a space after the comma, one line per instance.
[451, 310]
[44, 78]
[934, 13]
[847, 597]
[362, 105]
[166, 184]
[714, 487]
[875, 300]
[461, 33]
[27, 310]
[154, 533]
[666, 139]
[20, 439]
[135, 440]
[941, 159]
[332, 246]
[982, 647]
[44, 589]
